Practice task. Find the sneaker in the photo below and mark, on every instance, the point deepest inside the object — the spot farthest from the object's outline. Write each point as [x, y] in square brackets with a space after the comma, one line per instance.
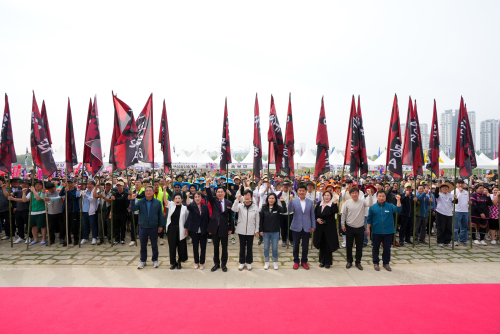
[275, 265]
[482, 242]
[305, 265]
[94, 241]
[493, 242]
[343, 245]
[26, 241]
[132, 243]
[283, 244]
[259, 243]
[476, 242]
[240, 267]
[441, 245]
[233, 240]
[162, 242]
[149, 242]
[424, 242]
[100, 243]
[122, 242]
[209, 240]
[487, 237]
[155, 264]
[115, 242]
[141, 265]
[202, 267]
[464, 244]
[84, 241]
[19, 240]
[295, 266]
[448, 245]
[5, 237]
[249, 267]
[266, 266]
[456, 244]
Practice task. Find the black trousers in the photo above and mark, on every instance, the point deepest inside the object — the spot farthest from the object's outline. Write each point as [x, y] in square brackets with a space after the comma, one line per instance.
[339, 217]
[199, 240]
[175, 245]
[119, 226]
[285, 228]
[246, 243]
[354, 234]
[406, 228]
[74, 225]
[300, 237]
[444, 228]
[325, 253]
[22, 221]
[377, 239]
[107, 224]
[223, 241]
[56, 222]
[134, 226]
[4, 220]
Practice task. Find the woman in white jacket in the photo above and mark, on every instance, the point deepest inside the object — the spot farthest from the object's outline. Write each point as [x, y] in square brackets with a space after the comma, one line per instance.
[176, 233]
[248, 226]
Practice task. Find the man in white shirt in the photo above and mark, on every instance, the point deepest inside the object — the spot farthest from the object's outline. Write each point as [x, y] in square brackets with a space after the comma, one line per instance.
[461, 214]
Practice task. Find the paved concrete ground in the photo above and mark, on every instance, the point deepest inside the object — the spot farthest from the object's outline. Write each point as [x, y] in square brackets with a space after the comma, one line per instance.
[106, 266]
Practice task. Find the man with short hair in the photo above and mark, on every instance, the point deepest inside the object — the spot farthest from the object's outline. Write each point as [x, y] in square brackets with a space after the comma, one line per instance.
[38, 221]
[406, 215]
[286, 217]
[54, 214]
[353, 219]
[444, 213]
[119, 199]
[381, 220]
[461, 214]
[150, 224]
[89, 217]
[423, 208]
[303, 224]
[21, 210]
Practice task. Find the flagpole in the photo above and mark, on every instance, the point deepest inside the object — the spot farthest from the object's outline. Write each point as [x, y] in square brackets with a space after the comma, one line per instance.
[102, 220]
[31, 202]
[66, 203]
[81, 209]
[429, 215]
[453, 228]
[470, 223]
[112, 180]
[396, 222]
[340, 200]
[10, 213]
[415, 210]
[46, 211]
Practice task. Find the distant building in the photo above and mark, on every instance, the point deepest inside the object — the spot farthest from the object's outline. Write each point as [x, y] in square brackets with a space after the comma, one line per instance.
[448, 130]
[489, 136]
[424, 132]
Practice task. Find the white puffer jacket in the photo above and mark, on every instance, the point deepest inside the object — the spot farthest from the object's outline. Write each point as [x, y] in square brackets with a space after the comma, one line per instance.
[248, 219]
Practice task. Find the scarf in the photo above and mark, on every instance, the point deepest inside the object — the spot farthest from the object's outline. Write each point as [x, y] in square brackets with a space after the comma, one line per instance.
[323, 204]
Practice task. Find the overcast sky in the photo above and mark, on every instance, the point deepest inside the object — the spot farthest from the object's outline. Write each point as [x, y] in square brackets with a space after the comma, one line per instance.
[194, 54]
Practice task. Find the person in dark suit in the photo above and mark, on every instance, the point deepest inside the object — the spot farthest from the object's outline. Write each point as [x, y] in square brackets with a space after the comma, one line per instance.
[196, 224]
[220, 226]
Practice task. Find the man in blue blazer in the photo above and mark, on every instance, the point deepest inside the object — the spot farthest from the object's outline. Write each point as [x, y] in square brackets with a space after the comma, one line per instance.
[303, 224]
[150, 224]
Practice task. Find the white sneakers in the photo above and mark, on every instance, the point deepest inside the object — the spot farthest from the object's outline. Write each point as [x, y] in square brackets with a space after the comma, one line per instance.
[94, 241]
[476, 242]
[266, 266]
[482, 242]
[156, 264]
[249, 267]
[493, 242]
[18, 241]
[132, 243]
[275, 265]
[84, 241]
[209, 240]
[162, 242]
[343, 244]
[141, 265]
[241, 266]
[5, 237]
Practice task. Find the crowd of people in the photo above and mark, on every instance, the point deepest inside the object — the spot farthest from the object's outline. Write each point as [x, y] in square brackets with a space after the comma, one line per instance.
[197, 208]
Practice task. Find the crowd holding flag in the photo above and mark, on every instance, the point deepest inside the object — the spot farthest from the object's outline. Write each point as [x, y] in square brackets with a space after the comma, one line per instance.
[275, 138]
[7, 150]
[433, 151]
[323, 147]
[123, 152]
[289, 147]
[257, 143]
[92, 152]
[71, 159]
[164, 140]
[225, 148]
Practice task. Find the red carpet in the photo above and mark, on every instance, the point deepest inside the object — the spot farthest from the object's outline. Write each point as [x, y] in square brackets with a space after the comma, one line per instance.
[392, 309]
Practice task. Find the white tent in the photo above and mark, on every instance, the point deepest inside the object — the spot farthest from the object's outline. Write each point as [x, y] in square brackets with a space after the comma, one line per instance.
[249, 158]
[60, 154]
[181, 158]
[487, 160]
[198, 157]
[380, 161]
[307, 159]
[336, 159]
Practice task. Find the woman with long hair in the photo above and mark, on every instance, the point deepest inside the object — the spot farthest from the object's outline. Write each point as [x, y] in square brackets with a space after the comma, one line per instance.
[325, 236]
[269, 227]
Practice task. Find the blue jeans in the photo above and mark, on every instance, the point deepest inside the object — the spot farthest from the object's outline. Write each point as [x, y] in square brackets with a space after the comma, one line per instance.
[365, 238]
[85, 225]
[462, 224]
[271, 237]
[152, 233]
[93, 225]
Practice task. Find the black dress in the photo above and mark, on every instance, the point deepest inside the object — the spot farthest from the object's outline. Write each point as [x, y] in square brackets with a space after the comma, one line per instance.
[325, 235]
[175, 245]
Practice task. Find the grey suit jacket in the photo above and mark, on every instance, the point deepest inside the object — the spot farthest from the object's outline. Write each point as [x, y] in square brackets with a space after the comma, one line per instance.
[302, 220]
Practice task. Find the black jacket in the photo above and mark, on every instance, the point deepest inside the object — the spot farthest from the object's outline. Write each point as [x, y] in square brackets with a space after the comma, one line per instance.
[195, 220]
[329, 228]
[220, 222]
[270, 220]
[407, 204]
